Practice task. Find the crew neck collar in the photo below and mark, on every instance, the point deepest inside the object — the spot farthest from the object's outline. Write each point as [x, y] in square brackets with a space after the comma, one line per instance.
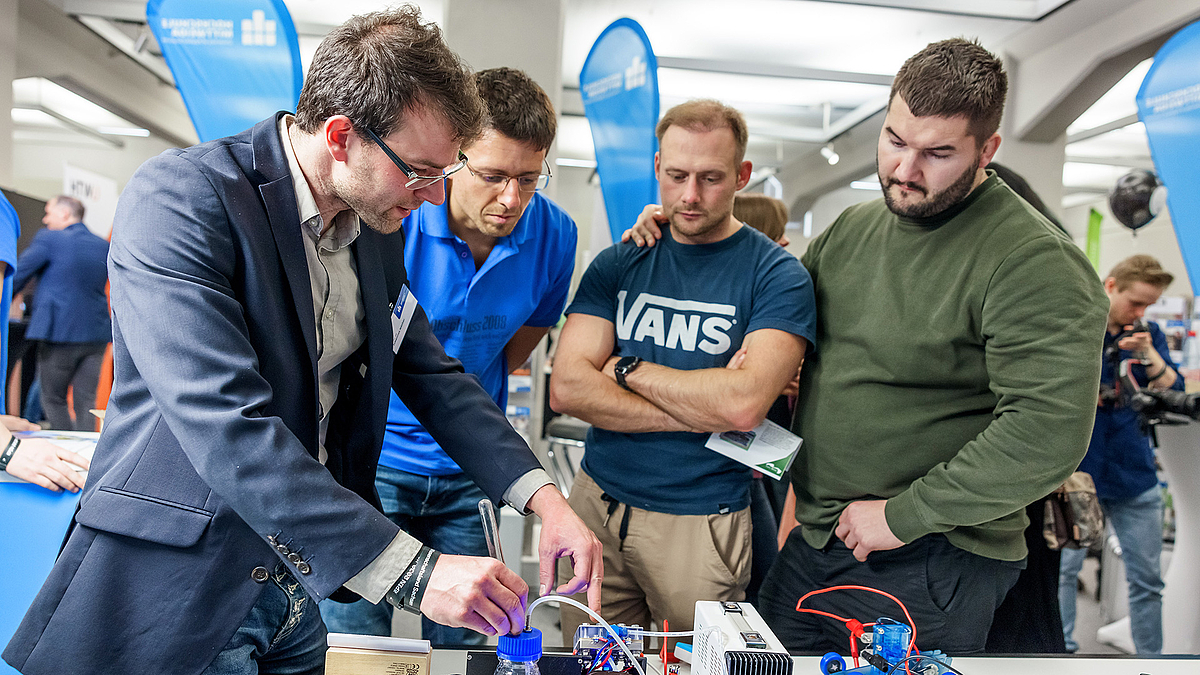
[703, 249]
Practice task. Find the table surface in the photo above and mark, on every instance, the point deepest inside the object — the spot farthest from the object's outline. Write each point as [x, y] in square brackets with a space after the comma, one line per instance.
[453, 662]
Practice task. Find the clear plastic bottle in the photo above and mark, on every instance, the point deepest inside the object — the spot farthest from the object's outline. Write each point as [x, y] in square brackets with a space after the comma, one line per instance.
[519, 654]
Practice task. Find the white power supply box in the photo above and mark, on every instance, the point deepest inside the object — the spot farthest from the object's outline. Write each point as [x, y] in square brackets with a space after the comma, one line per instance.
[732, 639]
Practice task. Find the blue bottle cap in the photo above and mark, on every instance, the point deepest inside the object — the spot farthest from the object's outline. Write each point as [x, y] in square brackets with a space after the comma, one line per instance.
[524, 647]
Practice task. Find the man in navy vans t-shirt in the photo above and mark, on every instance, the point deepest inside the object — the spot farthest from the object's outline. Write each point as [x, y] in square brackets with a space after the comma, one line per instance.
[662, 346]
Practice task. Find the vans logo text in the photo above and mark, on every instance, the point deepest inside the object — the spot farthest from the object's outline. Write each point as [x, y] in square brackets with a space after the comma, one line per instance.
[690, 320]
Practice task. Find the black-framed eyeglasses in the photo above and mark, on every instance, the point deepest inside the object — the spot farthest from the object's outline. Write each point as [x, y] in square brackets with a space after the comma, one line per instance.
[415, 180]
[526, 183]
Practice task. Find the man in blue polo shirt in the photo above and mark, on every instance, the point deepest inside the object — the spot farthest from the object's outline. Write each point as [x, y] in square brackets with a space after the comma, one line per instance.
[491, 268]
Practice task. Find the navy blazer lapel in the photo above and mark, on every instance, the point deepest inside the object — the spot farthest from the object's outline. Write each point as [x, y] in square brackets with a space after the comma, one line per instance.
[279, 200]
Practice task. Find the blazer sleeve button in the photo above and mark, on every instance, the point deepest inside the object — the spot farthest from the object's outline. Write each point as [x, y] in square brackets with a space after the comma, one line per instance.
[303, 567]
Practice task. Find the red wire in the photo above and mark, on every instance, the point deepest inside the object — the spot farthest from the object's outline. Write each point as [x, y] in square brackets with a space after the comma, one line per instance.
[912, 641]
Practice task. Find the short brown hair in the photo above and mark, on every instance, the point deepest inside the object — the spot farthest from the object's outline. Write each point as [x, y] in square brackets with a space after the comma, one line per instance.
[376, 67]
[1140, 268]
[955, 78]
[706, 114]
[72, 204]
[517, 107]
[765, 214]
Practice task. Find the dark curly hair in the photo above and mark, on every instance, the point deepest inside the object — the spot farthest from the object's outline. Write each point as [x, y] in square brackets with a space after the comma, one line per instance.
[376, 67]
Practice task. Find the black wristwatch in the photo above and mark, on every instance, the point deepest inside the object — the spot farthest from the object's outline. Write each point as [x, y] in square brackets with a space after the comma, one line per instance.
[625, 366]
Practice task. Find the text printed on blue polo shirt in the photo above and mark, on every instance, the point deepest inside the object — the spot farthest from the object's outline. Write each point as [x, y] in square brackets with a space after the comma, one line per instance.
[450, 324]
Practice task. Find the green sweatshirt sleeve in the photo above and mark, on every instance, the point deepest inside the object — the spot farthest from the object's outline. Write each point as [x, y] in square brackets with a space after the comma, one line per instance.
[1043, 321]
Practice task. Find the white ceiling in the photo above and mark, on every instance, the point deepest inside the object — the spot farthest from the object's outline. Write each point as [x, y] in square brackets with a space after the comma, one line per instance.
[794, 67]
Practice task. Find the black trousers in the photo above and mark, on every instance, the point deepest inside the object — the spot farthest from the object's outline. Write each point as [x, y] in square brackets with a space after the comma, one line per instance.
[1029, 621]
[62, 365]
[950, 593]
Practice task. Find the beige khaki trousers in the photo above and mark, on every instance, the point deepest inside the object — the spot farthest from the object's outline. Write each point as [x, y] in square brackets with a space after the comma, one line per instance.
[667, 563]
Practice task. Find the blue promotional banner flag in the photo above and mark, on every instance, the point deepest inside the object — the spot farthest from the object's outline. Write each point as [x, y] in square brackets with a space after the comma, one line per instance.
[1169, 105]
[619, 84]
[235, 61]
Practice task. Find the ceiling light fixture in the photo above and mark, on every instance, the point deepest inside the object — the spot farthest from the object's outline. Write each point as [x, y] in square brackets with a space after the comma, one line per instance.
[828, 153]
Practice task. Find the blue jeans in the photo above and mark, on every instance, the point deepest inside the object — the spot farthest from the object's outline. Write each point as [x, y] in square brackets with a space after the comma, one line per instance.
[443, 513]
[1138, 524]
[282, 634]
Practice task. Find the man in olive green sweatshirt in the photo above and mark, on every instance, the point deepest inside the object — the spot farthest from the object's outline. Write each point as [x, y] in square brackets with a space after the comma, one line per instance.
[955, 381]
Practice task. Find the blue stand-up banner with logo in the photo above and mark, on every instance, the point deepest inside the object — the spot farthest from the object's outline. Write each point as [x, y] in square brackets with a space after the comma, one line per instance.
[1169, 105]
[235, 61]
[619, 84]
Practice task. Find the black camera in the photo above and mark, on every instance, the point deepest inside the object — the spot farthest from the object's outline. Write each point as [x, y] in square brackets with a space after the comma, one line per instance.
[1113, 394]
[1156, 406]
[1113, 350]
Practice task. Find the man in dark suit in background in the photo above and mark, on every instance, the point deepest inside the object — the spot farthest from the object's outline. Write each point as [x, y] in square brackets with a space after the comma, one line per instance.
[70, 311]
[258, 325]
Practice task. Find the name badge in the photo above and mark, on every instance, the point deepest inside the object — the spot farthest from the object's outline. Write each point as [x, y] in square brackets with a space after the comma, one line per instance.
[402, 313]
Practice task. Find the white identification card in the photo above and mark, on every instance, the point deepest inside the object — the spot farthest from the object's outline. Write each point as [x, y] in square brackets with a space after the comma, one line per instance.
[769, 448]
[402, 313]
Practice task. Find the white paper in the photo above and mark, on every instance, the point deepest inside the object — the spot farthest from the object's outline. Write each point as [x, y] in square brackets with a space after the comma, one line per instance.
[769, 448]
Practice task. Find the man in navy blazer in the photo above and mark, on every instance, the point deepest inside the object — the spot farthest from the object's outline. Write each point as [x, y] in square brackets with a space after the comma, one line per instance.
[70, 311]
[257, 330]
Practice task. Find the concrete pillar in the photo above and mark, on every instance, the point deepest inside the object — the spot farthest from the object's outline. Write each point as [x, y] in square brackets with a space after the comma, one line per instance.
[8, 70]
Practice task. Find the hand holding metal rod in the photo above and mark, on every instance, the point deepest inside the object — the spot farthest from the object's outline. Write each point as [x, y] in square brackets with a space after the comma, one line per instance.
[491, 530]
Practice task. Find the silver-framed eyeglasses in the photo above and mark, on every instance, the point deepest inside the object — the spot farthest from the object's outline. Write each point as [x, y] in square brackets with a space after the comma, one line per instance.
[527, 183]
[415, 180]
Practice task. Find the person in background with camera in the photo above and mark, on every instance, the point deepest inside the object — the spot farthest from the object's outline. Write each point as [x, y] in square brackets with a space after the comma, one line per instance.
[1119, 457]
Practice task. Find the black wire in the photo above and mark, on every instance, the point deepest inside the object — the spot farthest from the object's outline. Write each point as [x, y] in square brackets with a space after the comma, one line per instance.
[917, 657]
